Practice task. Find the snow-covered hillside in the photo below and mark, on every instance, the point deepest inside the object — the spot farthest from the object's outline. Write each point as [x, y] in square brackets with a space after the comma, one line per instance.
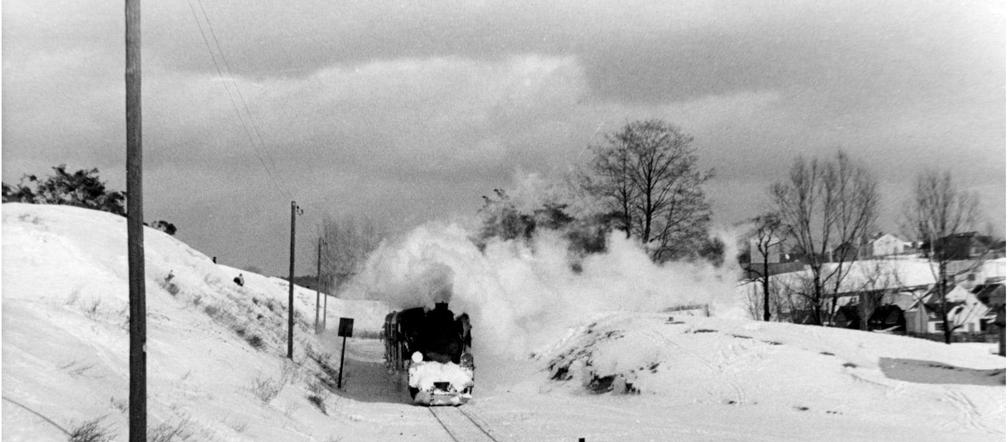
[217, 371]
[633, 376]
[210, 342]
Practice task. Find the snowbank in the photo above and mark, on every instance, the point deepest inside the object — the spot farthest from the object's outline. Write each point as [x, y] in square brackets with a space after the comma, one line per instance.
[864, 376]
[213, 348]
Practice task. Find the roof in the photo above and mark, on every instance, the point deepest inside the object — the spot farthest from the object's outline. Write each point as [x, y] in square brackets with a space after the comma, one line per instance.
[991, 293]
[870, 275]
[956, 295]
[881, 235]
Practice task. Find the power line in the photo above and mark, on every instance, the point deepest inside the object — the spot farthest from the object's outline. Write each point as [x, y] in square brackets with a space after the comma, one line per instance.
[244, 125]
[228, 70]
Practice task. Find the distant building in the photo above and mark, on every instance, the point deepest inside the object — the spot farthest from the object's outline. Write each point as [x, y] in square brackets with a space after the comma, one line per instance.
[971, 273]
[962, 246]
[992, 294]
[846, 252]
[886, 244]
[962, 307]
[879, 245]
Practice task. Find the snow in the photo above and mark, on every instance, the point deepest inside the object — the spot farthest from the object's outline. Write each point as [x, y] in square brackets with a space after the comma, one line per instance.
[65, 341]
[627, 375]
[428, 372]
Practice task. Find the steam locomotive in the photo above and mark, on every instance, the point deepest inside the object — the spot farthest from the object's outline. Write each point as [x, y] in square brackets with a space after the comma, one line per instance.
[434, 348]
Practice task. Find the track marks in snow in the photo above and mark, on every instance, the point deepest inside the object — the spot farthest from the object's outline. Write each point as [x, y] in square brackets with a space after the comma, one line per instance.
[461, 425]
[969, 414]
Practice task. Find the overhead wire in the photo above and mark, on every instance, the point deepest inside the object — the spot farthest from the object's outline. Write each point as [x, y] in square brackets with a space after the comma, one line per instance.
[259, 150]
[227, 69]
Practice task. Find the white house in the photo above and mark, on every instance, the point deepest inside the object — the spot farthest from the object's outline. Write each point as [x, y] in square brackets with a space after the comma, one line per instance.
[887, 244]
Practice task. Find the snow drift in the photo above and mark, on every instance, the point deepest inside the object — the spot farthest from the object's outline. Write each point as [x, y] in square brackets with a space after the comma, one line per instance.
[210, 342]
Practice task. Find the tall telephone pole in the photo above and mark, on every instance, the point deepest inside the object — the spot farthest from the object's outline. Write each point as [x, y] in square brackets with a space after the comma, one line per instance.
[134, 230]
[290, 287]
[318, 281]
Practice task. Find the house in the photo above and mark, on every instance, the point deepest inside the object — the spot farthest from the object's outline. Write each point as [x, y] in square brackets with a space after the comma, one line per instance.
[971, 273]
[886, 244]
[961, 246]
[962, 307]
[992, 294]
[998, 250]
[846, 252]
[881, 244]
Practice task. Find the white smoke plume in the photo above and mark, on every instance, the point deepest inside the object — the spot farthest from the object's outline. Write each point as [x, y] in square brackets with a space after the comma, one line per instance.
[521, 296]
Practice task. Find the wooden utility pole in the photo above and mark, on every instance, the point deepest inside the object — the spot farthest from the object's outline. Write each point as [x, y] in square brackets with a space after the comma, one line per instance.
[325, 306]
[134, 230]
[290, 288]
[318, 281]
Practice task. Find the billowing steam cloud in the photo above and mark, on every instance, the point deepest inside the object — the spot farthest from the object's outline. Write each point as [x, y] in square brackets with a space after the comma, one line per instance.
[521, 296]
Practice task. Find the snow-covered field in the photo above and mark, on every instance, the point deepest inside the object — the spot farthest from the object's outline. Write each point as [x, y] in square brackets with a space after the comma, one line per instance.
[215, 350]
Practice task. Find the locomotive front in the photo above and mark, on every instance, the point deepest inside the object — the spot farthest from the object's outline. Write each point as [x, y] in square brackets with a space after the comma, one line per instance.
[438, 347]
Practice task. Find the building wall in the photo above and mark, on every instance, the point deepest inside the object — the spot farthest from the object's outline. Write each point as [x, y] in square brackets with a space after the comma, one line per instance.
[917, 321]
[887, 245]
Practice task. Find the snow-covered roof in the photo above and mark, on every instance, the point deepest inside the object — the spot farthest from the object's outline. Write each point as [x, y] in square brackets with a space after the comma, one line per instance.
[866, 275]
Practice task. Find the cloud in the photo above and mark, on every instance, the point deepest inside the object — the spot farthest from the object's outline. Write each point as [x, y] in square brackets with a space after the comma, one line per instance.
[411, 111]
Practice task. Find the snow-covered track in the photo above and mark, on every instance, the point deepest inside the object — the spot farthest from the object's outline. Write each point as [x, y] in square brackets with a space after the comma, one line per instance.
[460, 425]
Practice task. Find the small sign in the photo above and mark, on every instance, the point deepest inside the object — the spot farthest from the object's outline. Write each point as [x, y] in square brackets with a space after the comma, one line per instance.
[346, 327]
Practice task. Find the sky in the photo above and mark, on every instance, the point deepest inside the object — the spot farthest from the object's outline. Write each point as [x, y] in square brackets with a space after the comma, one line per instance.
[409, 111]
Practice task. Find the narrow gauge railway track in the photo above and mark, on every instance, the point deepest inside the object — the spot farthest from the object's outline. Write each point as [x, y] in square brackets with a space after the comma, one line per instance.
[460, 425]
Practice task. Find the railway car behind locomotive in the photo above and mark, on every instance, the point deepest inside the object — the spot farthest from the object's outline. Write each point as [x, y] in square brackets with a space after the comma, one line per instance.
[434, 348]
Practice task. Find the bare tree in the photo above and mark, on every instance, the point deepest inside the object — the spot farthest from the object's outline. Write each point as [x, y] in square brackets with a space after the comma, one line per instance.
[766, 236]
[758, 302]
[937, 211]
[609, 179]
[647, 175]
[347, 242]
[826, 204]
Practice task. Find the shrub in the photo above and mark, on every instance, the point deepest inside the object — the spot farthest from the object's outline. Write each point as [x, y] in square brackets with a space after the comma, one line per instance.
[255, 341]
[318, 392]
[165, 227]
[90, 431]
[82, 188]
[318, 402]
[266, 389]
[167, 432]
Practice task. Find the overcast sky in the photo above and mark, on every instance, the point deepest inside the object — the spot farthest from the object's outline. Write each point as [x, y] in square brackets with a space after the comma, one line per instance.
[410, 111]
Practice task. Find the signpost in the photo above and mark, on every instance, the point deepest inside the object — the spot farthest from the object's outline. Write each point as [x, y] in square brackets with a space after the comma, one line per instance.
[346, 331]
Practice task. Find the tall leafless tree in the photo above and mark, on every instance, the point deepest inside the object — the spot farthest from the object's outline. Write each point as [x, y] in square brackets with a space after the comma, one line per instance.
[767, 235]
[939, 209]
[647, 174]
[347, 242]
[826, 204]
